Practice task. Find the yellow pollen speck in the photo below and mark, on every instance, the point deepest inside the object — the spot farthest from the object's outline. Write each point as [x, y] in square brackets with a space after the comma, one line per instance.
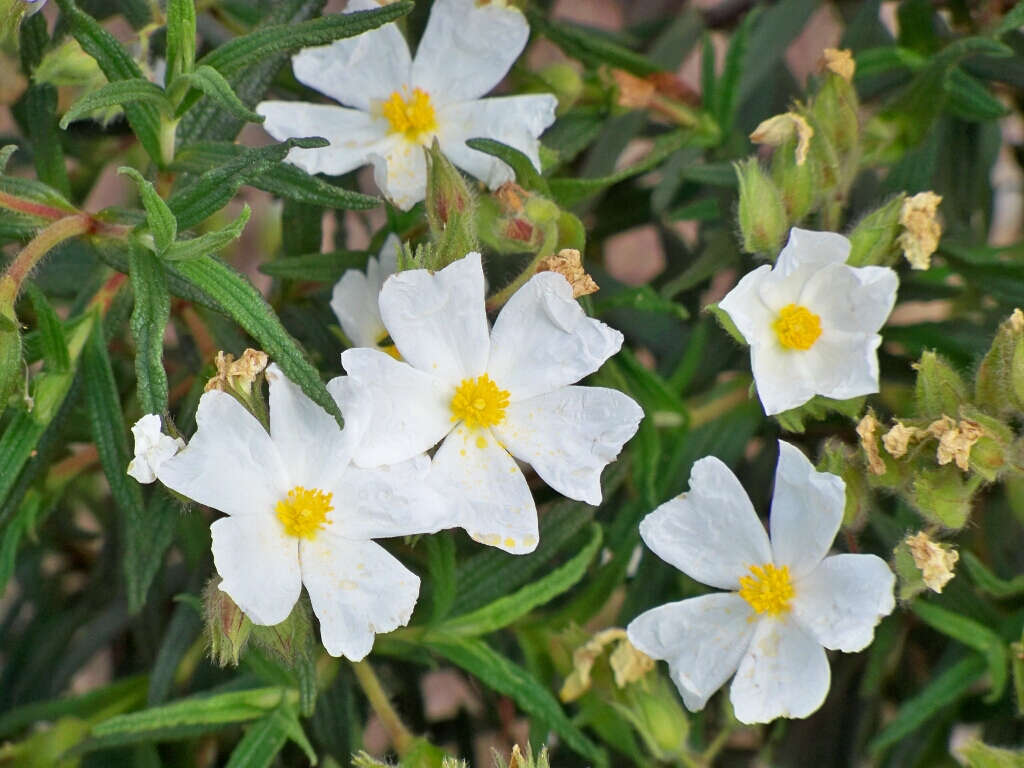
[797, 327]
[304, 512]
[510, 543]
[768, 589]
[413, 116]
[481, 443]
[479, 403]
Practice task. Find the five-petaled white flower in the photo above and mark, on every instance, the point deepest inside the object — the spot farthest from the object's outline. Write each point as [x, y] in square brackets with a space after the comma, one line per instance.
[152, 448]
[354, 299]
[402, 104]
[298, 513]
[812, 321]
[787, 600]
[492, 395]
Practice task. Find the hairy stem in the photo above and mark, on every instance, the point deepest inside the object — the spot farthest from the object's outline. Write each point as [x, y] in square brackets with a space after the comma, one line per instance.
[400, 735]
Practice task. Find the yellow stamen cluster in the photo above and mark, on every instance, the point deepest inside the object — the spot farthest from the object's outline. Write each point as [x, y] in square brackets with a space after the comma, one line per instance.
[479, 403]
[768, 589]
[304, 511]
[797, 327]
[414, 116]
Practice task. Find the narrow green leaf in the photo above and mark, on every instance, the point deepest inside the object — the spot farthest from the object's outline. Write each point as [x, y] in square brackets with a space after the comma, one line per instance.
[988, 581]
[209, 242]
[261, 742]
[123, 694]
[505, 676]
[508, 609]
[441, 565]
[116, 94]
[643, 298]
[150, 315]
[969, 99]
[728, 86]
[36, 192]
[526, 175]
[250, 49]
[52, 342]
[18, 525]
[17, 442]
[146, 542]
[707, 69]
[182, 631]
[212, 83]
[591, 46]
[316, 267]
[181, 37]
[162, 224]
[250, 310]
[885, 59]
[1013, 19]
[41, 117]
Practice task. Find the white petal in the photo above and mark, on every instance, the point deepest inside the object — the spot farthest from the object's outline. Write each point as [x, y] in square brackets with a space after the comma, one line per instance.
[467, 48]
[806, 246]
[513, 120]
[354, 301]
[785, 673]
[352, 400]
[308, 439]
[394, 500]
[152, 448]
[744, 306]
[407, 411]
[230, 464]
[781, 382]
[357, 590]
[360, 70]
[712, 533]
[259, 565]
[843, 599]
[498, 508]
[842, 365]
[543, 340]
[807, 508]
[400, 171]
[437, 321]
[702, 639]
[387, 263]
[354, 135]
[856, 300]
[569, 435]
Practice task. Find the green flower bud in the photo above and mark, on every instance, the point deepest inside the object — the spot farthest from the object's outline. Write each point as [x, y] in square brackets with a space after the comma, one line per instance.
[835, 105]
[910, 580]
[841, 460]
[944, 496]
[655, 713]
[762, 213]
[451, 210]
[940, 389]
[227, 628]
[422, 754]
[794, 179]
[999, 385]
[565, 82]
[874, 241]
[10, 342]
[292, 640]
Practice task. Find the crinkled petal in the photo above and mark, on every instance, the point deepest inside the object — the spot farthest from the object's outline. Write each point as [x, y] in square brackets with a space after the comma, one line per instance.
[744, 306]
[806, 246]
[437, 321]
[785, 673]
[406, 411]
[357, 590]
[711, 533]
[807, 509]
[394, 500]
[467, 48]
[353, 135]
[855, 300]
[543, 340]
[358, 71]
[400, 171]
[351, 399]
[231, 464]
[842, 365]
[354, 301]
[702, 639]
[497, 506]
[781, 382]
[569, 435]
[842, 600]
[259, 566]
[513, 120]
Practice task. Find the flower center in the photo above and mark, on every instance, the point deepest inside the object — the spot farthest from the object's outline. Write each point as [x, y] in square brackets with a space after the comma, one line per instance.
[304, 512]
[479, 403]
[797, 327]
[413, 116]
[768, 589]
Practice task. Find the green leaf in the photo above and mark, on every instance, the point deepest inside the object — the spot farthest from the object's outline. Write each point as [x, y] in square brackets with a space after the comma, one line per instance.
[441, 566]
[123, 694]
[117, 64]
[972, 634]
[146, 542]
[150, 315]
[209, 242]
[569, 191]
[265, 738]
[17, 526]
[181, 37]
[643, 298]
[317, 267]
[591, 46]
[1013, 19]
[116, 94]
[40, 102]
[506, 677]
[241, 52]
[969, 99]
[979, 755]
[212, 83]
[162, 224]
[284, 180]
[988, 581]
[727, 87]
[51, 332]
[182, 630]
[526, 175]
[885, 59]
[250, 310]
[36, 192]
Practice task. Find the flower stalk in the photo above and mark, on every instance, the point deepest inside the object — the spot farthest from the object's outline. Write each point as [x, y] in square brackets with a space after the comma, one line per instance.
[401, 736]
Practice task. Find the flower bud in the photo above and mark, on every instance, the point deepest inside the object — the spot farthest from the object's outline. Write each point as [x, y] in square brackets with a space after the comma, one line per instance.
[451, 210]
[10, 342]
[874, 241]
[795, 180]
[565, 82]
[840, 460]
[834, 110]
[762, 214]
[292, 640]
[227, 628]
[944, 495]
[999, 385]
[655, 713]
[939, 389]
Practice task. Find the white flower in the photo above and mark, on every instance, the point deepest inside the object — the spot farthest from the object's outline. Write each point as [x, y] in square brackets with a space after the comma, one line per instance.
[787, 598]
[152, 448]
[493, 395]
[299, 514]
[812, 321]
[402, 104]
[355, 295]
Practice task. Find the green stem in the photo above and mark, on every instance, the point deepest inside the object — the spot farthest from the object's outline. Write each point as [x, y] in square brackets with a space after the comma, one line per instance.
[497, 300]
[401, 736]
[30, 256]
[711, 410]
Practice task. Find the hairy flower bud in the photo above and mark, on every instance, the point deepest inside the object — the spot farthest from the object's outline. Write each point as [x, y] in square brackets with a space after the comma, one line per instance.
[999, 386]
[227, 628]
[940, 389]
[874, 241]
[451, 210]
[762, 215]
